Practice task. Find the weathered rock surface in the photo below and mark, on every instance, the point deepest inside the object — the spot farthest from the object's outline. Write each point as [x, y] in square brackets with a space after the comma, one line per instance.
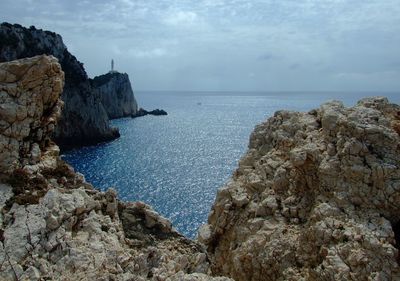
[116, 95]
[29, 108]
[84, 119]
[76, 233]
[56, 226]
[316, 197]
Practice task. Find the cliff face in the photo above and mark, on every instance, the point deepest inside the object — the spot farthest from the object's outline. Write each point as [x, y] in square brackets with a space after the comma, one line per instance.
[56, 226]
[316, 197]
[84, 119]
[29, 108]
[116, 95]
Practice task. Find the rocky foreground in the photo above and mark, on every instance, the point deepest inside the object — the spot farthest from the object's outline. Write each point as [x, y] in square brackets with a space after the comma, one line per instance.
[316, 197]
[54, 225]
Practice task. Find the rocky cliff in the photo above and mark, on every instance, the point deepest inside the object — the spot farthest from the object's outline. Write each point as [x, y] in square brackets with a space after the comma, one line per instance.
[316, 197]
[29, 109]
[116, 95]
[56, 226]
[84, 119]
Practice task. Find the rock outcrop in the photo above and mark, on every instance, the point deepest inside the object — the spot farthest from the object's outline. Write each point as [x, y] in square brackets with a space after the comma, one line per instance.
[56, 226]
[143, 112]
[116, 95]
[316, 197]
[84, 119]
[29, 108]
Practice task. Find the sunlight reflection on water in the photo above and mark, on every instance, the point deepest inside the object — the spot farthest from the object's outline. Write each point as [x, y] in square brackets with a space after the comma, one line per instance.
[177, 162]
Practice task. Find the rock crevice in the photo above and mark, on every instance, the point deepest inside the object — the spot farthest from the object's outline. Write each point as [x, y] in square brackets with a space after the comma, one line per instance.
[29, 109]
[56, 226]
[83, 120]
[316, 197]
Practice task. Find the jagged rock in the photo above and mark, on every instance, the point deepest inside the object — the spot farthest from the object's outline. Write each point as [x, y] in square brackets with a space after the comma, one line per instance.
[84, 119]
[316, 197]
[67, 236]
[56, 226]
[139, 219]
[29, 107]
[143, 112]
[116, 94]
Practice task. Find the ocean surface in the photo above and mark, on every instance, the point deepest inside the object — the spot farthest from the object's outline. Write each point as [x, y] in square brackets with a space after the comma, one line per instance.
[177, 162]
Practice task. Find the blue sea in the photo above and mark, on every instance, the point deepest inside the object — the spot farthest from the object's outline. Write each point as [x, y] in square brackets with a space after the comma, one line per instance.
[177, 162]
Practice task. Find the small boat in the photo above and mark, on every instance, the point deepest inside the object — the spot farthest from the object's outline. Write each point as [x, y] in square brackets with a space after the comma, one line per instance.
[199, 103]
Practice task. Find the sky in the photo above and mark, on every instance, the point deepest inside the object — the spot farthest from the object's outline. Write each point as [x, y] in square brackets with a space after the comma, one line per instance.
[221, 45]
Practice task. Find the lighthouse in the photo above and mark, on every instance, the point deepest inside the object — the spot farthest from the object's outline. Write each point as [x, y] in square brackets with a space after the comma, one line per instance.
[112, 66]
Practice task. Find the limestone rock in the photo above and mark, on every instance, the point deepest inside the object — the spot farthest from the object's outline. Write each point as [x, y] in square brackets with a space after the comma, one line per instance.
[67, 236]
[116, 95]
[56, 226]
[316, 197]
[84, 119]
[28, 110]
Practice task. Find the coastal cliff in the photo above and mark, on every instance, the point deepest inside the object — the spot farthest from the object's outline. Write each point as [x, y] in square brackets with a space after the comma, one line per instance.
[84, 119]
[56, 226]
[316, 197]
[116, 95]
[29, 110]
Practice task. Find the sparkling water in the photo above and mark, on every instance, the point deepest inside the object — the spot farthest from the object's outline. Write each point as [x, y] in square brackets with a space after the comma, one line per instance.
[177, 162]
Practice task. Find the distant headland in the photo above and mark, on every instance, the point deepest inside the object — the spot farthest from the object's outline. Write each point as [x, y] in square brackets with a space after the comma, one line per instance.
[84, 120]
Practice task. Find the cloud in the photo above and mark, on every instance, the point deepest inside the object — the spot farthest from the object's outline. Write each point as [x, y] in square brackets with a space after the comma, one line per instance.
[265, 57]
[366, 75]
[162, 42]
[181, 18]
[294, 66]
[128, 3]
[152, 53]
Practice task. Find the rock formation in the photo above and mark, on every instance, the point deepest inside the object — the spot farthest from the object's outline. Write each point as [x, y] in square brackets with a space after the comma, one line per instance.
[143, 112]
[316, 197]
[116, 95]
[84, 119]
[56, 226]
[29, 108]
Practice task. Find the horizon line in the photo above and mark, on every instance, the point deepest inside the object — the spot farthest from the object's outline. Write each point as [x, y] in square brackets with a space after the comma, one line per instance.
[273, 91]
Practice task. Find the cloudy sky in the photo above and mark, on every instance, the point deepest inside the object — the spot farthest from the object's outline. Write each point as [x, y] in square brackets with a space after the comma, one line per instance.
[240, 45]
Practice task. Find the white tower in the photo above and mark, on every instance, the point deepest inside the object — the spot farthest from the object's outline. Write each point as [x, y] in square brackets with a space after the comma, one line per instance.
[112, 65]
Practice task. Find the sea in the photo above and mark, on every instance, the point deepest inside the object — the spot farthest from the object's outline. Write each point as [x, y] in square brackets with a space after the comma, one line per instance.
[176, 163]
